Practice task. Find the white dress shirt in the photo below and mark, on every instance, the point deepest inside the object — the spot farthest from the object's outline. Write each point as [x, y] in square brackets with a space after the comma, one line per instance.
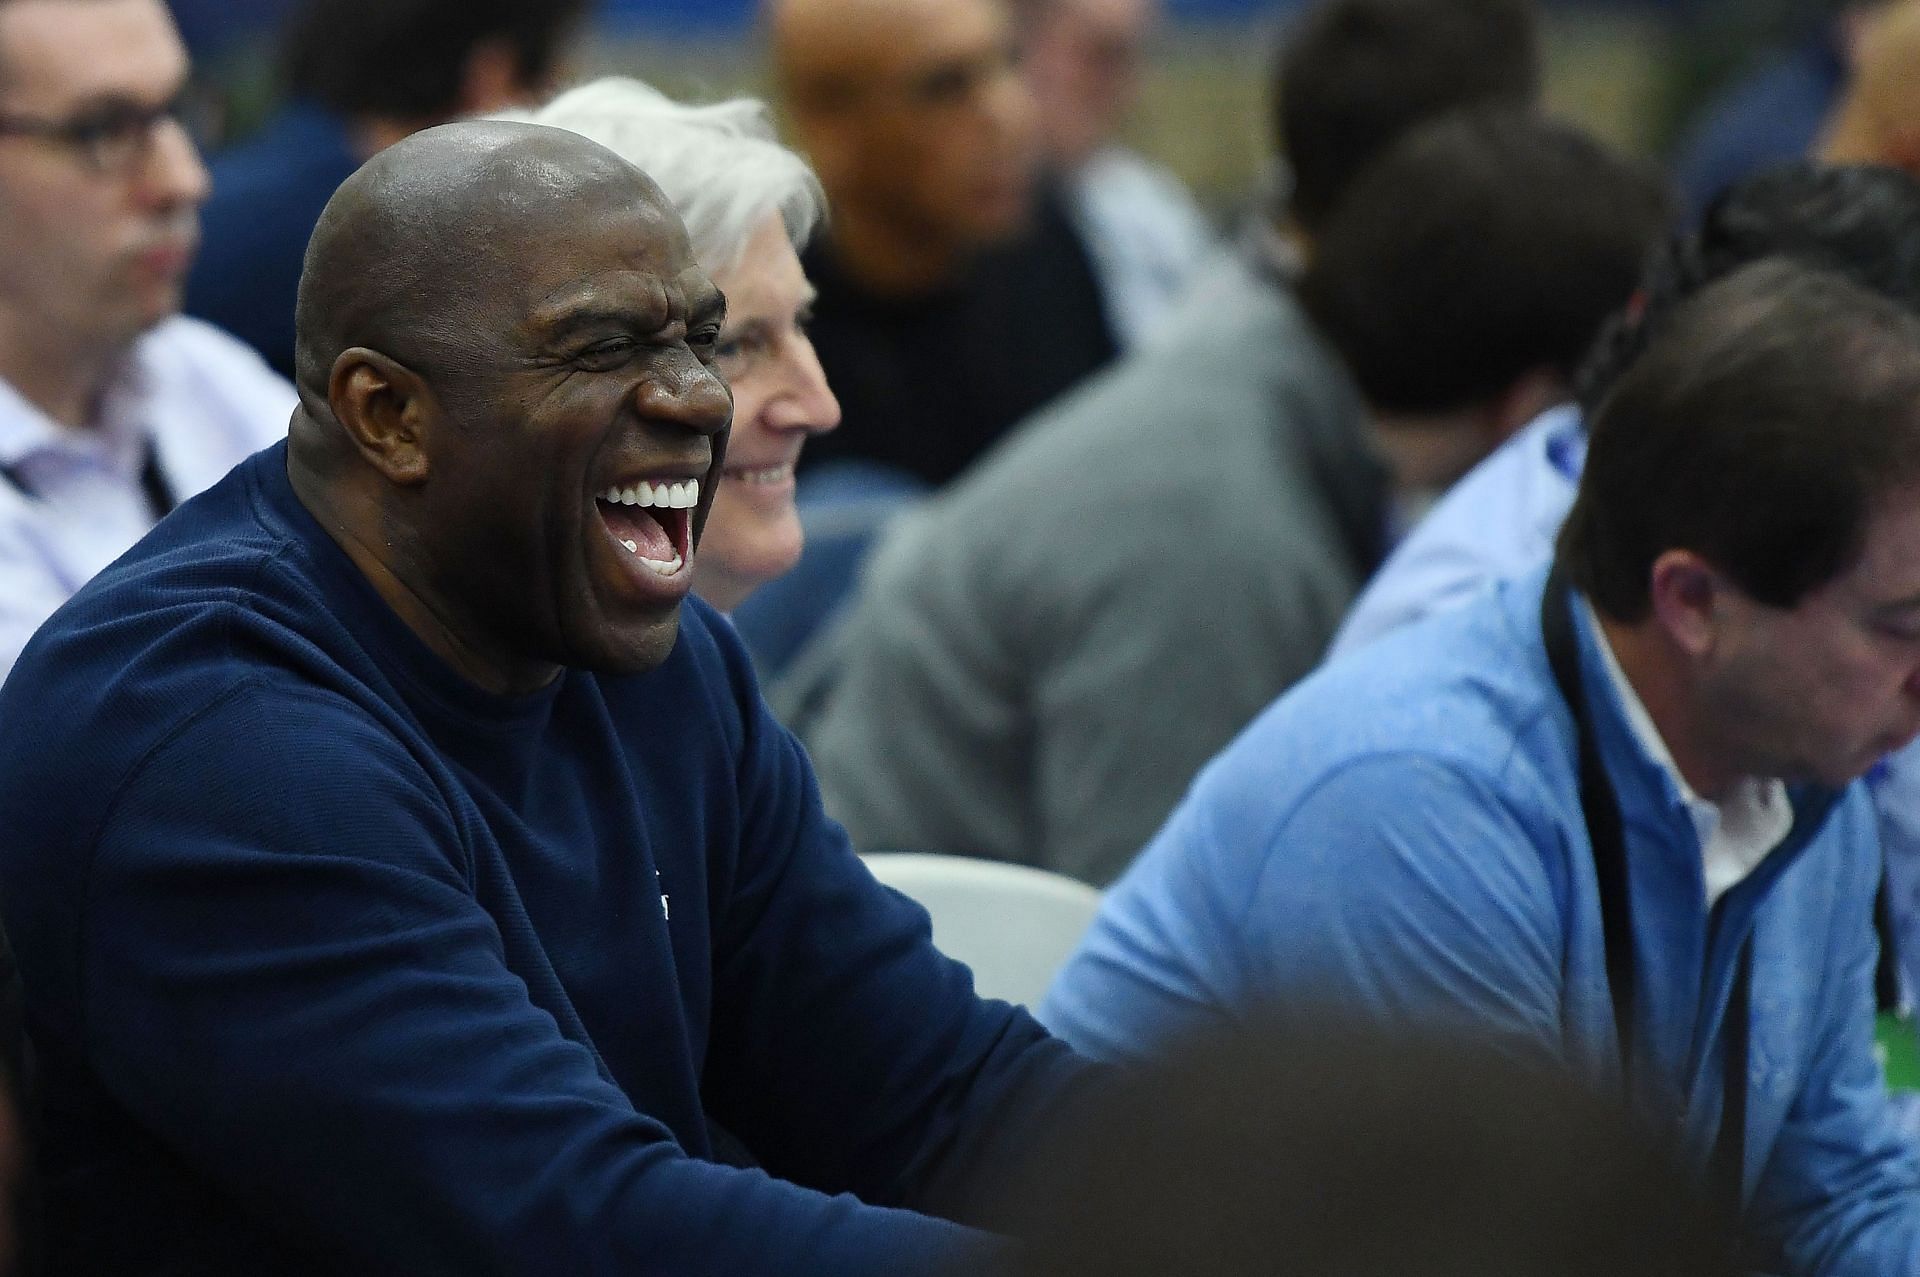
[72, 500]
[1736, 833]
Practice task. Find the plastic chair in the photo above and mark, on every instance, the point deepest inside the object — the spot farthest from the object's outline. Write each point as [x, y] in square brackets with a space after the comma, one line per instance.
[1012, 924]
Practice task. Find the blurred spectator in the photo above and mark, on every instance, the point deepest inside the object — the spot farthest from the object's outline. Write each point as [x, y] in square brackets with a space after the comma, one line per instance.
[1877, 120]
[1042, 659]
[750, 205]
[955, 295]
[1350, 77]
[112, 407]
[1082, 61]
[1500, 522]
[1605, 816]
[360, 75]
[1778, 111]
[1322, 1151]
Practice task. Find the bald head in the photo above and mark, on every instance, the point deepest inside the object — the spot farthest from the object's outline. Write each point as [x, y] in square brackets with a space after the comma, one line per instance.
[442, 226]
[1878, 119]
[825, 49]
[912, 114]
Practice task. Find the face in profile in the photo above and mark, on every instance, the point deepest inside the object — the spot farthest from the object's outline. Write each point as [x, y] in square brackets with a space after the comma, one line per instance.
[99, 202]
[1823, 690]
[780, 396]
[579, 437]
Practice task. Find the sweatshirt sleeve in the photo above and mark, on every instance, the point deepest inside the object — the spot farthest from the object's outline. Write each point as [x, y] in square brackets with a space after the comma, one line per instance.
[288, 981]
[846, 1050]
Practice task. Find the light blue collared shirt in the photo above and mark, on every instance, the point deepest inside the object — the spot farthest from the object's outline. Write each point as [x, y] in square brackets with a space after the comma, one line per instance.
[1499, 523]
[74, 501]
[1496, 524]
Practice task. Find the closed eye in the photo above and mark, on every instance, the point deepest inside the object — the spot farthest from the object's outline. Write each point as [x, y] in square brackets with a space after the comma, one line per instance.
[611, 353]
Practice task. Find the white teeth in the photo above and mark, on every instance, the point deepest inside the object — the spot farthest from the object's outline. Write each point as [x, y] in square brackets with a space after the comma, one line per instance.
[661, 567]
[663, 496]
[768, 475]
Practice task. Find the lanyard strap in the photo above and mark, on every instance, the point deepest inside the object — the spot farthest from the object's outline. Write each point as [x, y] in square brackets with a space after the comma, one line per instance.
[1605, 833]
[153, 484]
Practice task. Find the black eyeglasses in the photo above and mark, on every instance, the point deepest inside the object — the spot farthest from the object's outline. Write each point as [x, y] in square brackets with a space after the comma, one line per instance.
[111, 139]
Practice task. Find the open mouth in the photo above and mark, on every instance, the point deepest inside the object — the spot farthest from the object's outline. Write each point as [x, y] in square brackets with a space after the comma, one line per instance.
[652, 521]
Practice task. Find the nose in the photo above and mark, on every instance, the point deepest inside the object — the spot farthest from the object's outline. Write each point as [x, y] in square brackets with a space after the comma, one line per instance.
[173, 175]
[687, 395]
[804, 400]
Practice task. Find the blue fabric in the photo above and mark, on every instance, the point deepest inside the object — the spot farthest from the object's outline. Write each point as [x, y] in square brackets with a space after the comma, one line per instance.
[1499, 523]
[1401, 837]
[1772, 116]
[267, 195]
[337, 963]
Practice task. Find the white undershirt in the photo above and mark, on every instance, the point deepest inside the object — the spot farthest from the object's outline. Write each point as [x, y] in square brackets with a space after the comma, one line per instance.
[1736, 834]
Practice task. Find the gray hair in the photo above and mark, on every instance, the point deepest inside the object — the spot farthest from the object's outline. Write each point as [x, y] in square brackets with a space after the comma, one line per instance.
[721, 165]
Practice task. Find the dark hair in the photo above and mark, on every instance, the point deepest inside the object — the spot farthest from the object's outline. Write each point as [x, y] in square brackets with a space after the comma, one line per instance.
[1759, 431]
[404, 59]
[1479, 247]
[1356, 74]
[1348, 1153]
[1857, 220]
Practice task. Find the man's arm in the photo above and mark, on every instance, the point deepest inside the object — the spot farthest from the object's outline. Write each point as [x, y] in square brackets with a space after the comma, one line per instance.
[846, 1051]
[1840, 1195]
[288, 980]
[1398, 889]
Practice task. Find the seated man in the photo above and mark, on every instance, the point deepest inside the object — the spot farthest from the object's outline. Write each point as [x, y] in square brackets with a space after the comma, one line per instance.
[406, 875]
[1043, 658]
[112, 405]
[1500, 522]
[1605, 817]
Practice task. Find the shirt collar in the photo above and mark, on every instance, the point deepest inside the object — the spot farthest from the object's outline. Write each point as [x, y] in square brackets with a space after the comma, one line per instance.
[1735, 834]
[119, 434]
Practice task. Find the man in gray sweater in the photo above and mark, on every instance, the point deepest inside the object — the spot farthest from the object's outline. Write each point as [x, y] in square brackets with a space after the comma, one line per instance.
[1043, 657]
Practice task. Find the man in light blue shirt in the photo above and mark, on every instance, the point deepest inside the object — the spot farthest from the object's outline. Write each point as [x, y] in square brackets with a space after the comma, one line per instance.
[1606, 818]
[112, 406]
[1500, 521]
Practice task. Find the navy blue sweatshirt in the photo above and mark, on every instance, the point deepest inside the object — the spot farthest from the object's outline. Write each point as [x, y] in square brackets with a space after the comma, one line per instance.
[336, 963]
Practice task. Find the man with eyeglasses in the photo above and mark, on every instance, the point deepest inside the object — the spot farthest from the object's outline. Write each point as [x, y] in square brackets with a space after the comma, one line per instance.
[113, 407]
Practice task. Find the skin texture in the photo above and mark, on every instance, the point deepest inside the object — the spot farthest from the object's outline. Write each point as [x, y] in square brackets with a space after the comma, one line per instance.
[918, 124]
[1878, 119]
[1819, 691]
[497, 322]
[1082, 60]
[780, 396]
[91, 259]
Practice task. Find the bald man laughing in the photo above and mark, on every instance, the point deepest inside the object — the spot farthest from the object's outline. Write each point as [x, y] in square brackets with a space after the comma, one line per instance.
[406, 874]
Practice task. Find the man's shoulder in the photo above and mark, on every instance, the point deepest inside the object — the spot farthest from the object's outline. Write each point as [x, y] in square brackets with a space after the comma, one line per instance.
[1467, 692]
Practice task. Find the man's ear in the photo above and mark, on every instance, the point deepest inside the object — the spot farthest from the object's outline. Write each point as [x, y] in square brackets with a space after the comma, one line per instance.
[1686, 593]
[386, 409]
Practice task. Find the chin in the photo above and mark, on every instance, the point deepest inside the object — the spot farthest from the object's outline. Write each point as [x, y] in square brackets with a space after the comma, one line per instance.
[635, 653]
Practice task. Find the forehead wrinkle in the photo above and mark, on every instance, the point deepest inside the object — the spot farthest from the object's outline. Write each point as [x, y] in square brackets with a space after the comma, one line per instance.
[641, 295]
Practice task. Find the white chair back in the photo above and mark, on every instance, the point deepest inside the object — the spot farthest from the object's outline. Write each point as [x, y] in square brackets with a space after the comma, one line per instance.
[1012, 924]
